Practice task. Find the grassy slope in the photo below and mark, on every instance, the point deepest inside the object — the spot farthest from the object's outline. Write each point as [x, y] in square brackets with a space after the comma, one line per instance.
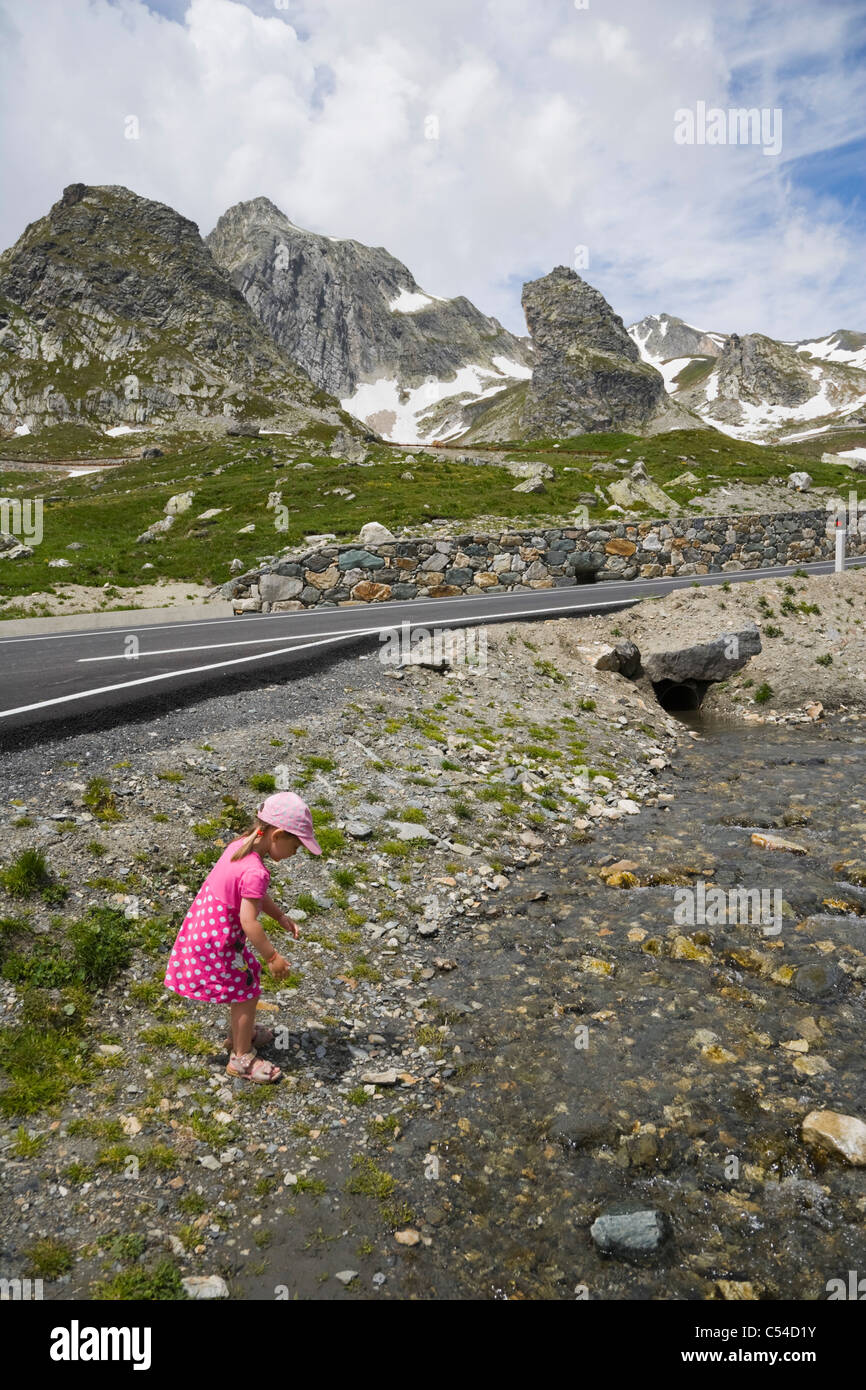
[106, 511]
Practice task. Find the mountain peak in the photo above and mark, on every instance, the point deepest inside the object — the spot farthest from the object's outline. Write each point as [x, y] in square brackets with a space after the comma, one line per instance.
[355, 318]
[112, 309]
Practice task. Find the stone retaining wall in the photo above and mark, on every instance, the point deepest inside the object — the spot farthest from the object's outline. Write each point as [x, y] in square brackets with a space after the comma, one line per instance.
[548, 558]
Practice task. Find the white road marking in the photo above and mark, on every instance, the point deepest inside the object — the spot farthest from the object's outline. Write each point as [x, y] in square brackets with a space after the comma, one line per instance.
[215, 646]
[147, 680]
[360, 631]
[257, 656]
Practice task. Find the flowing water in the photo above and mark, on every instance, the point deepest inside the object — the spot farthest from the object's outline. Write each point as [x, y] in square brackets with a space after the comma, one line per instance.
[613, 1055]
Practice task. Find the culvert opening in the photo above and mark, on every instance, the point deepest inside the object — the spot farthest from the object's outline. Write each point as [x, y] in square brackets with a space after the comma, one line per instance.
[679, 695]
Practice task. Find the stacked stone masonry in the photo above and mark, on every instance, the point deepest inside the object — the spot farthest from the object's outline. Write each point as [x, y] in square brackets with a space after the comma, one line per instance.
[548, 558]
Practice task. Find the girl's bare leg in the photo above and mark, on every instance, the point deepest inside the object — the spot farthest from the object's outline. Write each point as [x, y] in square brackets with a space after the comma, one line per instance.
[243, 1020]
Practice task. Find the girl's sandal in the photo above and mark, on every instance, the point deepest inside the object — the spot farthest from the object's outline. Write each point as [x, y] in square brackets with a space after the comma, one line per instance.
[262, 1037]
[253, 1068]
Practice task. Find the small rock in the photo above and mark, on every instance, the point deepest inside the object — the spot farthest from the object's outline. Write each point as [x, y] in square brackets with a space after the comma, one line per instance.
[817, 980]
[775, 842]
[200, 1286]
[407, 1237]
[346, 1276]
[735, 1290]
[631, 1234]
[843, 1135]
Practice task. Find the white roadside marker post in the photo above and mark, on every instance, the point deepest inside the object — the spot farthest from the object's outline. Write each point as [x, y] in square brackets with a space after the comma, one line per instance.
[840, 544]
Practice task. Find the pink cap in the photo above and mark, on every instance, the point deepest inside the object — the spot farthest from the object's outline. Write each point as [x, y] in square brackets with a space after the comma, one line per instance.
[289, 812]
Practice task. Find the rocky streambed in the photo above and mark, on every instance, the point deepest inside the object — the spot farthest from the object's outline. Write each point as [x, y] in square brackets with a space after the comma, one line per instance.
[523, 1054]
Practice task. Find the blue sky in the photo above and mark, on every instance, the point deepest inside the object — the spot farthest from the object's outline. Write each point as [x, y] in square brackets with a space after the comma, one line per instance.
[554, 130]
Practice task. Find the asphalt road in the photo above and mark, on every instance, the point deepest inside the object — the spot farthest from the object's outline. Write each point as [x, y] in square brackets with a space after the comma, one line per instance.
[69, 675]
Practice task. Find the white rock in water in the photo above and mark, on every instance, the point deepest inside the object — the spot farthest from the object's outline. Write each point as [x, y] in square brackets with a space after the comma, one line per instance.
[801, 481]
[374, 534]
[181, 502]
[346, 1276]
[200, 1286]
[843, 1135]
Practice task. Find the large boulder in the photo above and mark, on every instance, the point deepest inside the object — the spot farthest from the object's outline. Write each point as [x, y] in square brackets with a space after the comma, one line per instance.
[681, 675]
[639, 488]
[181, 502]
[375, 534]
[801, 481]
[705, 661]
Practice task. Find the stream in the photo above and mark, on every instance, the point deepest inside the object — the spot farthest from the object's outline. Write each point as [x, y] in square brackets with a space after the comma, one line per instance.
[616, 1056]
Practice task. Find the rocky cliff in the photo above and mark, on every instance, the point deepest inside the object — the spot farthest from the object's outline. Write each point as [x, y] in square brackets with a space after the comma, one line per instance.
[587, 376]
[356, 320]
[113, 311]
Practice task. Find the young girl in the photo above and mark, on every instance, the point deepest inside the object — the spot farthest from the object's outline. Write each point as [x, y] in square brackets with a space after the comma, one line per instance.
[212, 957]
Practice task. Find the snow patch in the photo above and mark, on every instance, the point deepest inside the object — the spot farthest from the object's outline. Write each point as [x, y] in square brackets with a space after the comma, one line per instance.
[827, 351]
[409, 405]
[510, 368]
[409, 302]
[22, 429]
[672, 368]
[117, 430]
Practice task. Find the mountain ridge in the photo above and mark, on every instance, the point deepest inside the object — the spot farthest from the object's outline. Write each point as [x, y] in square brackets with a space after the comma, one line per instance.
[113, 311]
[355, 318]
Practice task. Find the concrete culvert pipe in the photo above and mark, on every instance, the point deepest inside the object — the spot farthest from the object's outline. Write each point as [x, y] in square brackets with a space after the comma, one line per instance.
[680, 695]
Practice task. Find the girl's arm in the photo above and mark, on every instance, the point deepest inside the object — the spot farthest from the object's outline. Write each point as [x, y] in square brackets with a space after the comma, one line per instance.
[274, 910]
[256, 934]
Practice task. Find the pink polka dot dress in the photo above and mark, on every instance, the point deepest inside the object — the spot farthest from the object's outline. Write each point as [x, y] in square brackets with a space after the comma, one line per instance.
[211, 958]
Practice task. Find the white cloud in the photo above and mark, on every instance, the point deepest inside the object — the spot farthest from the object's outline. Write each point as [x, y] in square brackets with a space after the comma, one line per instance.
[555, 130]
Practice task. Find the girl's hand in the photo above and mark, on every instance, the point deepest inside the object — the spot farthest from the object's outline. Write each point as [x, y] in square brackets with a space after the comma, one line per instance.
[288, 925]
[278, 966]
